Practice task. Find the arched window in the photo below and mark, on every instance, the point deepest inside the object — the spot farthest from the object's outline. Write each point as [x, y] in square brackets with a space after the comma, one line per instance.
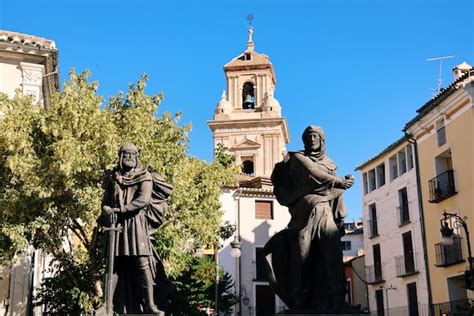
[248, 96]
[247, 167]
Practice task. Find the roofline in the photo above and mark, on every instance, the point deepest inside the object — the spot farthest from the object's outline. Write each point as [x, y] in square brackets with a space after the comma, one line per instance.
[434, 102]
[383, 152]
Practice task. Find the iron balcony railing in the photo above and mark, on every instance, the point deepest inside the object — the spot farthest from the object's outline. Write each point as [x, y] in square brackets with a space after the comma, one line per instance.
[374, 273]
[442, 186]
[406, 265]
[458, 308]
[449, 254]
[373, 229]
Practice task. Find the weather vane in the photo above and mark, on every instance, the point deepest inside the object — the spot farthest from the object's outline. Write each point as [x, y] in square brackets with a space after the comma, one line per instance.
[250, 19]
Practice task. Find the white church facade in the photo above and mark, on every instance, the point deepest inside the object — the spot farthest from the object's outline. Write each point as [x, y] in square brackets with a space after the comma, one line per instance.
[248, 122]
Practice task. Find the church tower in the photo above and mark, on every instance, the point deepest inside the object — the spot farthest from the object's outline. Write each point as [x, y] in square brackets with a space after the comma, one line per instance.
[247, 119]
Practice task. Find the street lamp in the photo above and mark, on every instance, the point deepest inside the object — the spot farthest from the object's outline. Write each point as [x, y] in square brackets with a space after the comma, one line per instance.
[447, 239]
[235, 252]
[386, 295]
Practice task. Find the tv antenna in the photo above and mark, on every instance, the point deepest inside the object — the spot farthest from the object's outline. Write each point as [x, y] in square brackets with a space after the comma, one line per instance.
[440, 78]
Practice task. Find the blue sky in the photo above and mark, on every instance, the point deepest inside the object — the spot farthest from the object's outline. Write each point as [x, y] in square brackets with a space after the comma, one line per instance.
[357, 68]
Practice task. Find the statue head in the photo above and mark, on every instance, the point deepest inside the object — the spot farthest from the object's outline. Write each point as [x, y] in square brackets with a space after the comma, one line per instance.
[314, 139]
[128, 156]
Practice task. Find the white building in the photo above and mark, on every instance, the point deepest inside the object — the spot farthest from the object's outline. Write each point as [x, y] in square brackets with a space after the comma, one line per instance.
[353, 240]
[30, 64]
[395, 266]
[248, 122]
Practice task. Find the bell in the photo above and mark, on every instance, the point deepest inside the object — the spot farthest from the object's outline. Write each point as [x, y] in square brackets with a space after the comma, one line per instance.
[248, 103]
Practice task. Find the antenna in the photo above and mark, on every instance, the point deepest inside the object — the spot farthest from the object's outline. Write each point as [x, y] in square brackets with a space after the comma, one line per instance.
[440, 59]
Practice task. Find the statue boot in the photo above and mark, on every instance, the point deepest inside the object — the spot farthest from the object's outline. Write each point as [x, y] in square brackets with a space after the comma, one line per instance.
[147, 286]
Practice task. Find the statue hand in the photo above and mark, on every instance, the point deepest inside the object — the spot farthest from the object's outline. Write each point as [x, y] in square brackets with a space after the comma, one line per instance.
[107, 209]
[347, 182]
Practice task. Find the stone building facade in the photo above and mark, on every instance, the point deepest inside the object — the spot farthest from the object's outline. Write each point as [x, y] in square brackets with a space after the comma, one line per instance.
[443, 132]
[394, 257]
[28, 64]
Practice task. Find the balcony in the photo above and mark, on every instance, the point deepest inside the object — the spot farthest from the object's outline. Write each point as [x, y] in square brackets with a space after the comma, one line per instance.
[442, 186]
[374, 273]
[406, 265]
[449, 255]
[373, 229]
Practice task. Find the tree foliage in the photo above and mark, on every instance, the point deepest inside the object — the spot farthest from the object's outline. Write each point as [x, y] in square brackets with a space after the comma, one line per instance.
[51, 167]
[196, 289]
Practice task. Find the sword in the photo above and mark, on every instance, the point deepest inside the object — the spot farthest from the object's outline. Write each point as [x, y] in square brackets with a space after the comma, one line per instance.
[110, 262]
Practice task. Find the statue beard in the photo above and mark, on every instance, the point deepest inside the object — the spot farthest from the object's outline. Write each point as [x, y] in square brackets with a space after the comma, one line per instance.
[128, 164]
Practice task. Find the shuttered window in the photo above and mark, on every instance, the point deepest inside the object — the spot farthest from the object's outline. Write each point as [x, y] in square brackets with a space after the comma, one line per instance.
[264, 209]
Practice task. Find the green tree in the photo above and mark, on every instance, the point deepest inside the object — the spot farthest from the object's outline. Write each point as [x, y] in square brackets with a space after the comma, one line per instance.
[51, 167]
[196, 289]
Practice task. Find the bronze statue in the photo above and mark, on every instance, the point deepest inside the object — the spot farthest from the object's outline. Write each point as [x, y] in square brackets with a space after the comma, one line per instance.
[305, 260]
[135, 200]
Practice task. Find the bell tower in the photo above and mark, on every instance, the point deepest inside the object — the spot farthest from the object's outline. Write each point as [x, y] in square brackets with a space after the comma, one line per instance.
[247, 119]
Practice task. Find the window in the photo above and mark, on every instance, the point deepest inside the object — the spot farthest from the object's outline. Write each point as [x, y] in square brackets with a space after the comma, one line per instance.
[409, 259]
[412, 299]
[247, 165]
[380, 175]
[379, 302]
[374, 231]
[443, 185]
[403, 206]
[410, 157]
[372, 185]
[377, 262]
[248, 96]
[393, 168]
[366, 186]
[440, 133]
[349, 291]
[346, 245]
[260, 268]
[263, 209]
[402, 162]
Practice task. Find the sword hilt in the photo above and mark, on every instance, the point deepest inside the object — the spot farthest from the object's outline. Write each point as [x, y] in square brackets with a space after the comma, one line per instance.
[113, 221]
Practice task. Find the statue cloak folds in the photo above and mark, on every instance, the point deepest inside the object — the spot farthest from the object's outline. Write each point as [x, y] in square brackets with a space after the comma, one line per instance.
[141, 196]
[305, 261]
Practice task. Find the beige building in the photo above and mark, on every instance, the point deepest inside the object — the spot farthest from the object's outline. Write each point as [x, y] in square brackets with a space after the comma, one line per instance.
[248, 121]
[29, 64]
[443, 134]
[395, 266]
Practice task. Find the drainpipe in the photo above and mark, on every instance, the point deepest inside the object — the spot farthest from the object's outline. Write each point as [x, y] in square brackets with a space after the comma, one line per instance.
[412, 140]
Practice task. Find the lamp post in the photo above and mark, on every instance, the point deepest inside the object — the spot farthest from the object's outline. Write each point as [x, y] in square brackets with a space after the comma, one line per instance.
[386, 295]
[235, 253]
[447, 239]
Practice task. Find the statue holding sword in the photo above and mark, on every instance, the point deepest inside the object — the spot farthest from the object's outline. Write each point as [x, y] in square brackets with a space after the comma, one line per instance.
[134, 201]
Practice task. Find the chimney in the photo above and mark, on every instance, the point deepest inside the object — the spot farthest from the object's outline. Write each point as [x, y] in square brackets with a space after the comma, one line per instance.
[460, 70]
